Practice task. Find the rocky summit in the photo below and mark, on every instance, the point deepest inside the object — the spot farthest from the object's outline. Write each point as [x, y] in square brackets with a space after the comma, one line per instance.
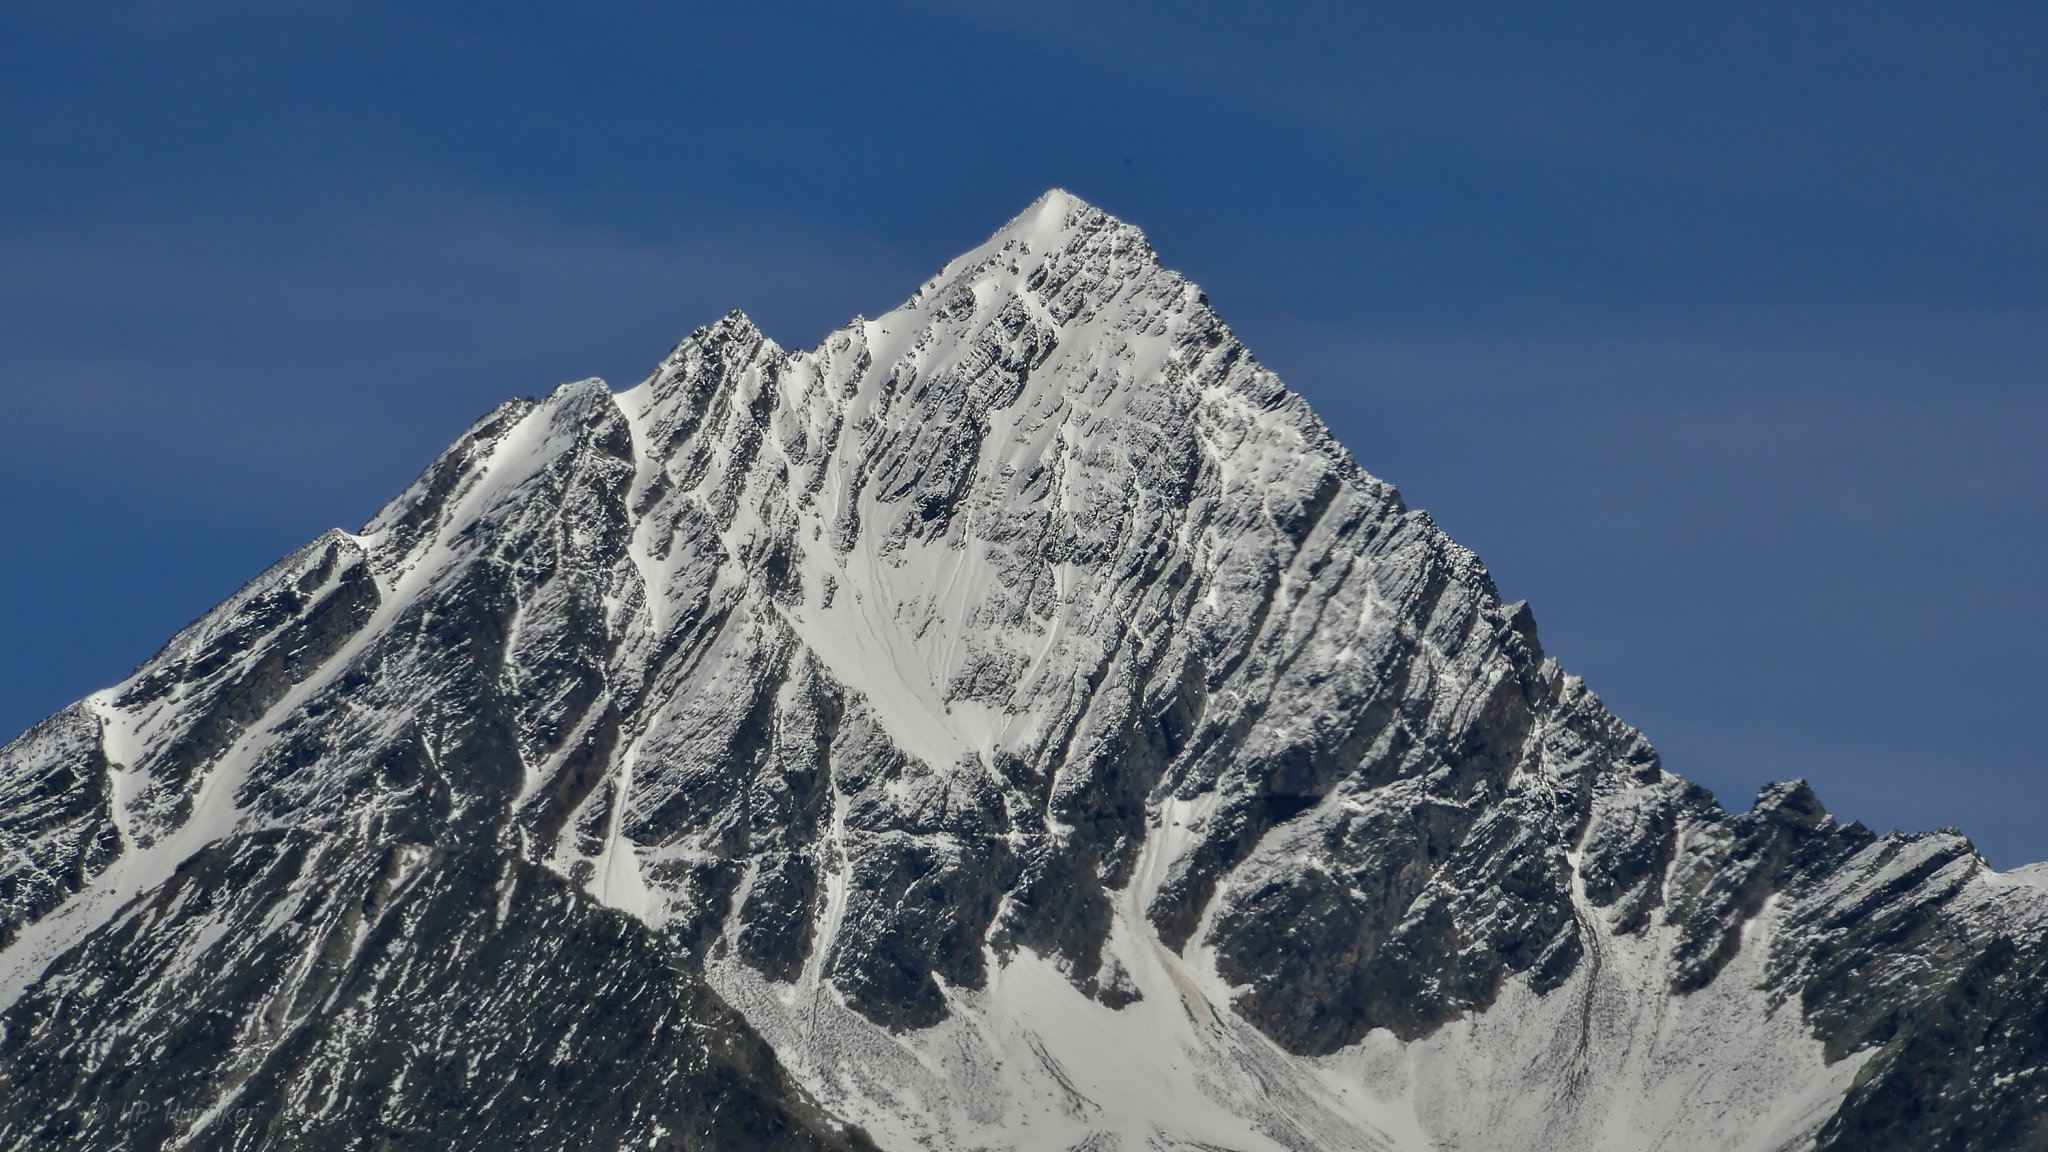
[1014, 723]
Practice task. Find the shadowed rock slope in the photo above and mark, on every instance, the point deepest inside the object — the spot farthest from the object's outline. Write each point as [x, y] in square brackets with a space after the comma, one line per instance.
[288, 989]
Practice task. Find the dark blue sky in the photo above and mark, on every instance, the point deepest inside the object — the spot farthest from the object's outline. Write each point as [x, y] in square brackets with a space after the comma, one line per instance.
[1719, 331]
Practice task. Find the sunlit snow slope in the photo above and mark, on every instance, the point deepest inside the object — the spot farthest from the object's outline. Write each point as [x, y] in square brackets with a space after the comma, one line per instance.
[1045, 735]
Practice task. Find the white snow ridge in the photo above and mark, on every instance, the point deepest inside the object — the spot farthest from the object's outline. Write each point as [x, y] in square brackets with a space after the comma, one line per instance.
[1026, 716]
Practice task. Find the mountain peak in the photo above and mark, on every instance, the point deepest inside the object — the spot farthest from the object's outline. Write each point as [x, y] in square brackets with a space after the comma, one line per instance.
[1051, 219]
[1016, 704]
[1058, 221]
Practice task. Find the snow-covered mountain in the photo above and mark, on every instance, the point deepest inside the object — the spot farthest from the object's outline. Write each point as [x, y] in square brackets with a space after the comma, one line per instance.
[1031, 722]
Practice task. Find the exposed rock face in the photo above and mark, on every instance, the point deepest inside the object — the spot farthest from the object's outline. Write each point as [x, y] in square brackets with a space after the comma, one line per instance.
[288, 989]
[56, 823]
[1045, 734]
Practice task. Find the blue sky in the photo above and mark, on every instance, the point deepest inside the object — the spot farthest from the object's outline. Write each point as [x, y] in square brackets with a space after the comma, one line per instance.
[1720, 332]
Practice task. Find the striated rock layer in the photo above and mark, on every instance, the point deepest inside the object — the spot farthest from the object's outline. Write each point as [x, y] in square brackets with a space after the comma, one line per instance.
[287, 989]
[1032, 722]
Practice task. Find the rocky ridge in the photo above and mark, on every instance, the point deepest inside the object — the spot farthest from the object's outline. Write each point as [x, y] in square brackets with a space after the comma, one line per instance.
[1043, 733]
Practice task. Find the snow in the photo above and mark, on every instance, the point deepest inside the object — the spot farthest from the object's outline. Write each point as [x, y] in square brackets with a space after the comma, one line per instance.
[1614, 1061]
[2029, 875]
[1610, 1061]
